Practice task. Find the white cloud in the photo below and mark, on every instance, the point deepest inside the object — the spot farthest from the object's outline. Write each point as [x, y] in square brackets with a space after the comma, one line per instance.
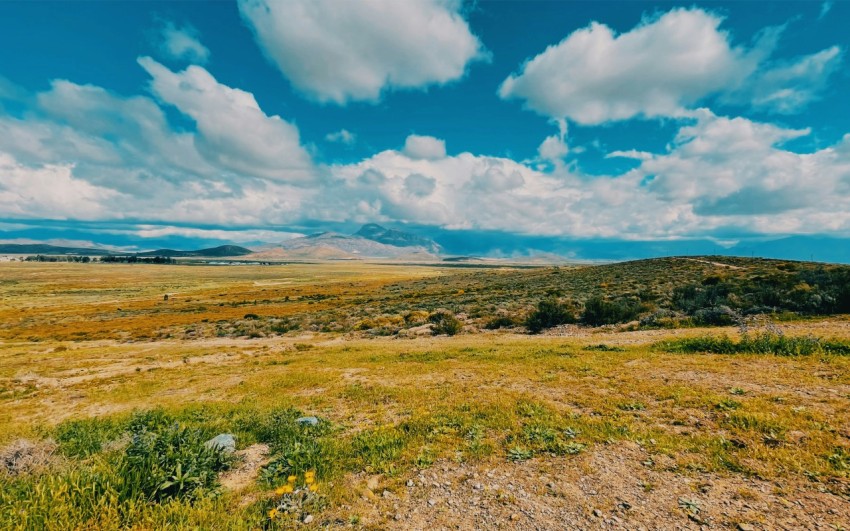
[789, 86]
[83, 152]
[182, 43]
[233, 131]
[630, 154]
[424, 147]
[343, 51]
[240, 236]
[49, 192]
[343, 136]
[419, 185]
[825, 8]
[662, 67]
[553, 148]
[718, 173]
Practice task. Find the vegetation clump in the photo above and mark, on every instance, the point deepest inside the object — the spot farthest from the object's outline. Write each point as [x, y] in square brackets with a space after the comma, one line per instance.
[760, 343]
[444, 323]
[549, 313]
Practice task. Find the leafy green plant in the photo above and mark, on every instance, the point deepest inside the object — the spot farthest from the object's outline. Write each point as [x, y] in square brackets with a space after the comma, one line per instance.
[519, 453]
[174, 462]
[85, 437]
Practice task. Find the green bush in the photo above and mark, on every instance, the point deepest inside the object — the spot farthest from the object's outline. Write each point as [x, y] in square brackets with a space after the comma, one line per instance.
[549, 313]
[502, 321]
[444, 323]
[598, 311]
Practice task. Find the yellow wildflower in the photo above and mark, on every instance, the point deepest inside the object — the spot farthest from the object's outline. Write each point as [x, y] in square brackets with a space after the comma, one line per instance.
[285, 489]
[272, 513]
[290, 479]
[310, 476]
[314, 487]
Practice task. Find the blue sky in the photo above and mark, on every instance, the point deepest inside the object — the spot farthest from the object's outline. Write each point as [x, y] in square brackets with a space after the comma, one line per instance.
[144, 124]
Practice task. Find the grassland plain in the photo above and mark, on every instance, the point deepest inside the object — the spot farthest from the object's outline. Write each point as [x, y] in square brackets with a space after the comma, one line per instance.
[104, 383]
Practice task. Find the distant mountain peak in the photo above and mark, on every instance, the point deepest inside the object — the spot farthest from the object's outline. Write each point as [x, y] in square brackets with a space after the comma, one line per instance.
[398, 238]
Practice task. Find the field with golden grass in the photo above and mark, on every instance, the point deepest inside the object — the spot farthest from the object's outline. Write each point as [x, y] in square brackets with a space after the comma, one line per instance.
[109, 391]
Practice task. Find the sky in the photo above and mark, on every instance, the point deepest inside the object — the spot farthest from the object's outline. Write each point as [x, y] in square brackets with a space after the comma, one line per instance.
[496, 127]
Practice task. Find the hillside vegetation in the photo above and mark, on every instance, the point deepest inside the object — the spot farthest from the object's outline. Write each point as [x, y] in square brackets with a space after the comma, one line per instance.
[387, 300]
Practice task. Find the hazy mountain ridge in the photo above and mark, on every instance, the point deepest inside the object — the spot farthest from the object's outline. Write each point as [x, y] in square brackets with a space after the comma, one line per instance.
[46, 249]
[398, 238]
[220, 251]
[332, 245]
[43, 248]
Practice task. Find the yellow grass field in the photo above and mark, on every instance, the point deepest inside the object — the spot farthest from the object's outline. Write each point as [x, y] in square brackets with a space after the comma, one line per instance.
[580, 428]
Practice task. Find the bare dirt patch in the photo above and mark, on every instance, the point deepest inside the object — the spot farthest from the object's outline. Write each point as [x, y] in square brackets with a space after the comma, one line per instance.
[613, 487]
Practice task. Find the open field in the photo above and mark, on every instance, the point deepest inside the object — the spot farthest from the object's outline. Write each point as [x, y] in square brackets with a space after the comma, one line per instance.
[581, 427]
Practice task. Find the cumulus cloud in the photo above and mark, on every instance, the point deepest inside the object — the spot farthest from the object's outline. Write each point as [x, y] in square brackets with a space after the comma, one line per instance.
[419, 185]
[232, 129]
[662, 67]
[344, 51]
[182, 43]
[343, 136]
[82, 152]
[553, 148]
[424, 147]
[49, 192]
[718, 172]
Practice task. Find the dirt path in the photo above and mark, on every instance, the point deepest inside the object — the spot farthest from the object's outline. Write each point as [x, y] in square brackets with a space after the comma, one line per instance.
[716, 264]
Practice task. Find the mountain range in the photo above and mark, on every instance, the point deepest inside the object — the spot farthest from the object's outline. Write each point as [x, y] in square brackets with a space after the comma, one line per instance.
[45, 249]
[375, 241]
[371, 241]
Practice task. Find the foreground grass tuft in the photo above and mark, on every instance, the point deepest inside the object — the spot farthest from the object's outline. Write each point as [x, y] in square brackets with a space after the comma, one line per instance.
[761, 343]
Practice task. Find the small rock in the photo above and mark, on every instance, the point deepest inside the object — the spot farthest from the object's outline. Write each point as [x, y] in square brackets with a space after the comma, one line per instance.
[224, 442]
[386, 494]
[515, 517]
[745, 527]
[478, 486]
[796, 436]
[597, 513]
[308, 518]
[432, 502]
[409, 482]
[307, 421]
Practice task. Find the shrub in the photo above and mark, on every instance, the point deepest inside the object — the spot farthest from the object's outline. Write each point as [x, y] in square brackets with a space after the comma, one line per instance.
[549, 313]
[598, 311]
[716, 316]
[444, 323]
[502, 321]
